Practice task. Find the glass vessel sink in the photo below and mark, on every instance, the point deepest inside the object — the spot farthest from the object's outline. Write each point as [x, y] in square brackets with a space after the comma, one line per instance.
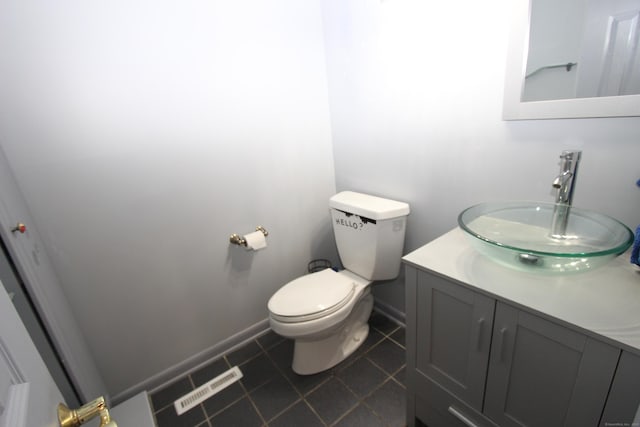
[517, 234]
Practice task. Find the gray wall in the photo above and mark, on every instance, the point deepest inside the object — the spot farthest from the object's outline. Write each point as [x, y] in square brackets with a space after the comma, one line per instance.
[416, 101]
[142, 134]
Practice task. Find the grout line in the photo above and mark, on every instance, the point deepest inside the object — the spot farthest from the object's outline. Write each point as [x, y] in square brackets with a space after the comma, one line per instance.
[388, 334]
[209, 416]
[242, 396]
[295, 402]
[372, 346]
[317, 386]
[153, 413]
[348, 411]
[355, 394]
[360, 403]
[225, 360]
[193, 385]
[266, 348]
[393, 376]
[313, 410]
[246, 391]
[384, 371]
[286, 377]
[397, 343]
[224, 408]
[161, 409]
[245, 361]
[373, 410]
[156, 410]
[255, 408]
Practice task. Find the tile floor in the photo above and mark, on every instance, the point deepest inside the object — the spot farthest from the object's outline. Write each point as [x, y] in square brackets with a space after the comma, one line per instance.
[367, 389]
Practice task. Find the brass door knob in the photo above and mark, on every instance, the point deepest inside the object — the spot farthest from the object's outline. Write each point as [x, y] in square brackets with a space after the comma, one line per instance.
[76, 417]
[19, 227]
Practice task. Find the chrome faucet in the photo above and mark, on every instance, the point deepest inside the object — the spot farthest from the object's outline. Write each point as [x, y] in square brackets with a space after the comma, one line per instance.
[564, 183]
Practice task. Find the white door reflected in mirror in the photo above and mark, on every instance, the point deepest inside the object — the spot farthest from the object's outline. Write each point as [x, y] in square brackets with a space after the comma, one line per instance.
[582, 49]
[573, 58]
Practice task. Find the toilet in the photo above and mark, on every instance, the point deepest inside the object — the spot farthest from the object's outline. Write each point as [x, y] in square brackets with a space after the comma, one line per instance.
[326, 312]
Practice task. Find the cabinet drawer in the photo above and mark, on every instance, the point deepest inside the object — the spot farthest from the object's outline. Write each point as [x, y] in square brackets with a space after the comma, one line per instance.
[436, 407]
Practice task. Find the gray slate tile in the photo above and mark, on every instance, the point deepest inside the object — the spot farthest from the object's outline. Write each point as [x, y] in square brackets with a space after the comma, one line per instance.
[332, 400]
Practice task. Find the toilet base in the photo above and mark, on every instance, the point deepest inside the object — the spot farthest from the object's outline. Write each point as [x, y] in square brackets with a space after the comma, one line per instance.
[311, 356]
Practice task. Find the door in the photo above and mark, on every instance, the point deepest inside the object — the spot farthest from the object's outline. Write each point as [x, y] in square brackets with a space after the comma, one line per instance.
[28, 394]
[453, 336]
[24, 306]
[542, 374]
[623, 404]
[609, 63]
[33, 266]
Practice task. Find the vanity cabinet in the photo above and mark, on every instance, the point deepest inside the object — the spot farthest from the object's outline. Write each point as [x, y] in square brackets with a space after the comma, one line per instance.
[453, 327]
[543, 374]
[623, 405]
[473, 360]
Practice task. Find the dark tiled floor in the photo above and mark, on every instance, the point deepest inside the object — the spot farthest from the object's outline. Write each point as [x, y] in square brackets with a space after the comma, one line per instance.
[365, 390]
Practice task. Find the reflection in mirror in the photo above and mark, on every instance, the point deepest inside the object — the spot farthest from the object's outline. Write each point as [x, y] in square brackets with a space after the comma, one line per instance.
[581, 62]
[582, 49]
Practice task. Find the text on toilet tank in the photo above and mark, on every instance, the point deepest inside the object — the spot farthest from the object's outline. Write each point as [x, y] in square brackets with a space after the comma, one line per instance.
[355, 224]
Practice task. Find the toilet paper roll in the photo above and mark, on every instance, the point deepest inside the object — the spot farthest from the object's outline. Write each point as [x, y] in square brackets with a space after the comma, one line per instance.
[255, 241]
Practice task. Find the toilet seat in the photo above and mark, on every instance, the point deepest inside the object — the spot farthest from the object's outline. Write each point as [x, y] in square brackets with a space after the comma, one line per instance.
[311, 297]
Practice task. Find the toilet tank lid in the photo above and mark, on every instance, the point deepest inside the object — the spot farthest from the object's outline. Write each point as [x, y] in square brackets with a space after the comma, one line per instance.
[368, 206]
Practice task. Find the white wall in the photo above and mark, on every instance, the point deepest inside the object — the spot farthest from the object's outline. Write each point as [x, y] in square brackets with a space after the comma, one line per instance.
[416, 101]
[142, 135]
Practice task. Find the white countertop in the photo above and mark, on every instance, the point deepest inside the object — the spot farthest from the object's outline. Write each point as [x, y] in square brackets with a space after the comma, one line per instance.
[604, 302]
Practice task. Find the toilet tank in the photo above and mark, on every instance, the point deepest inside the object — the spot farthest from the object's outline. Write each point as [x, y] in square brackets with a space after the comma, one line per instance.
[369, 233]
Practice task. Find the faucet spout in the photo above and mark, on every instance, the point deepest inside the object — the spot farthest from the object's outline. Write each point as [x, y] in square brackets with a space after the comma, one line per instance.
[566, 179]
[564, 183]
[562, 179]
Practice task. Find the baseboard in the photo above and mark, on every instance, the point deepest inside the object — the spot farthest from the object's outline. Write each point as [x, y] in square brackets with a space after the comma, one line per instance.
[390, 311]
[193, 363]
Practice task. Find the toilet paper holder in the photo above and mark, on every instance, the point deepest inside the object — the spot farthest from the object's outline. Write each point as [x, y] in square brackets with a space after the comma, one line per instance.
[236, 239]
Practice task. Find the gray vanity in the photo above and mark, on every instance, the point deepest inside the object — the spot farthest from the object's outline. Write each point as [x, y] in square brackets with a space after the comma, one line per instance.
[493, 346]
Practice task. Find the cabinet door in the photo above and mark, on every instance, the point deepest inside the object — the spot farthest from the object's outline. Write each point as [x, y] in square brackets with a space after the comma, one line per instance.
[623, 404]
[453, 336]
[542, 374]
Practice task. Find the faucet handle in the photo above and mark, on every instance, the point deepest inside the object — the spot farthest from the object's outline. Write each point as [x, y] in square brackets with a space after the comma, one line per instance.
[570, 155]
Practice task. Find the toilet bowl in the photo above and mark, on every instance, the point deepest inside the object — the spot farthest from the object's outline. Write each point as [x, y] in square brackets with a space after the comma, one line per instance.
[326, 313]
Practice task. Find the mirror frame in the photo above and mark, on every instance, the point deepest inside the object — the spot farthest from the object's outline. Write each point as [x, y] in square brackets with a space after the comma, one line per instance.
[515, 109]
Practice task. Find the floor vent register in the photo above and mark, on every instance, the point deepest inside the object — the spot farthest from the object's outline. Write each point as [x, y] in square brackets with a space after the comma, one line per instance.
[207, 390]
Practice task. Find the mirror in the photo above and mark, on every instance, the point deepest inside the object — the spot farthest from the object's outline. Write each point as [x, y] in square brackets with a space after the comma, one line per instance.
[578, 58]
